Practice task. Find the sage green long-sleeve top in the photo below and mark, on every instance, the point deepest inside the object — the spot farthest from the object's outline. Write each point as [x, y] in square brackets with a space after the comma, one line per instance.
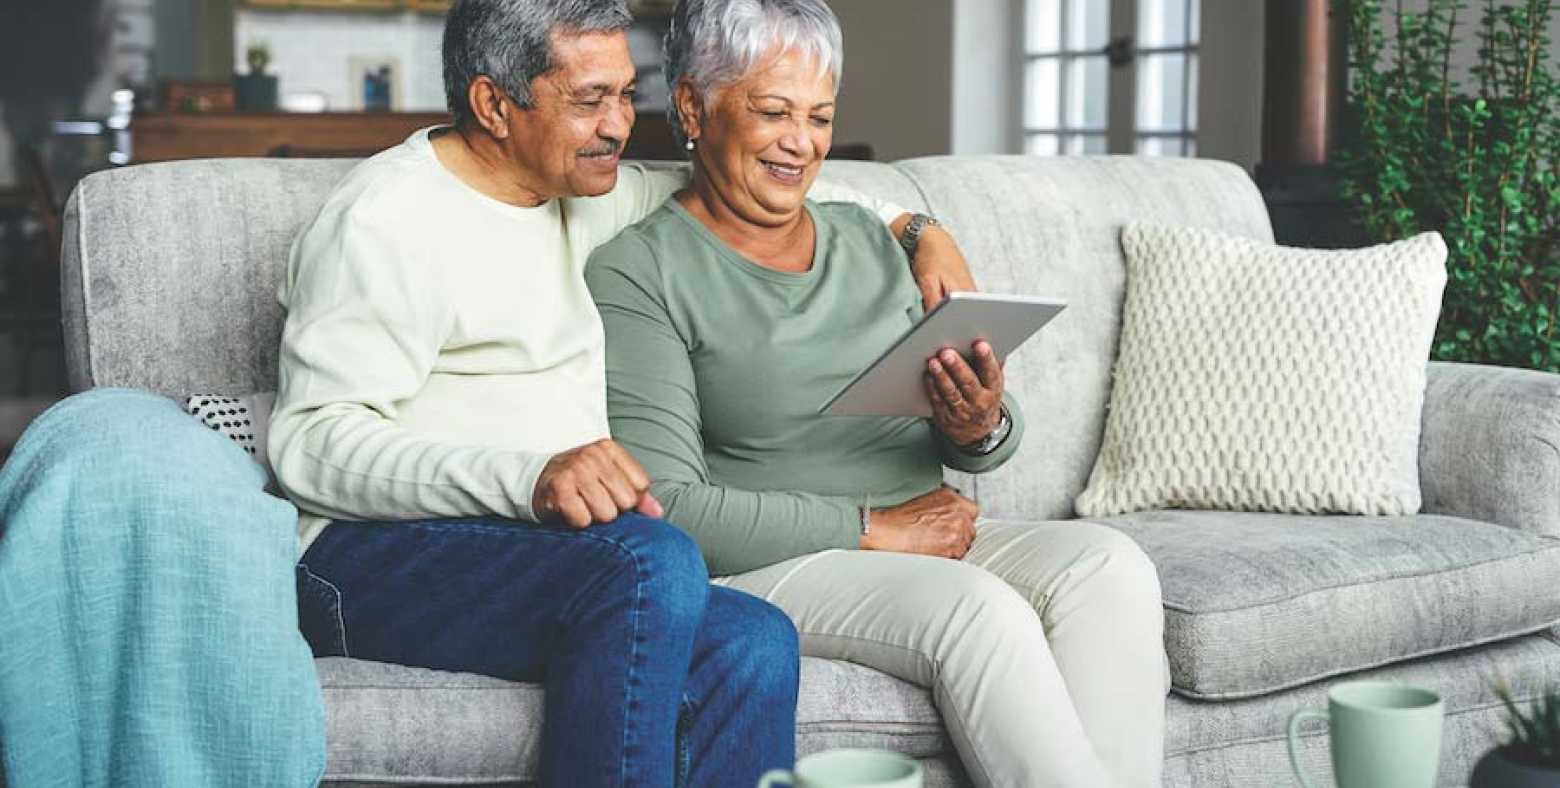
[716, 367]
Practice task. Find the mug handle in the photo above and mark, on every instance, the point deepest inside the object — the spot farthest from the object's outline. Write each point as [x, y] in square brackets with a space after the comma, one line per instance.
[1294, 739]
[775, 777]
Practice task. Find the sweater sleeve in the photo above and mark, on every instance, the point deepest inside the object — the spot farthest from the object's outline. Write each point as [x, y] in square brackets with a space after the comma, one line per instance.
[960, 461]
[365, 323]
[653, 407]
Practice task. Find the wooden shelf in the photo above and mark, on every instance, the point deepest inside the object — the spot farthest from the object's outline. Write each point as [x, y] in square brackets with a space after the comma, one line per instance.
[162, 136]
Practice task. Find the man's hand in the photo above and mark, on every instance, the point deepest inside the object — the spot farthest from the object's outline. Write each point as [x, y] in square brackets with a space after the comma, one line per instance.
[940, 523]
[966, 403]
[938, 267]
[593, 484]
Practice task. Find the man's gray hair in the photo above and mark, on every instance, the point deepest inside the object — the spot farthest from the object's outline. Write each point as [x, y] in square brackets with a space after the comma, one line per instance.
[510, 42]
[714, 43]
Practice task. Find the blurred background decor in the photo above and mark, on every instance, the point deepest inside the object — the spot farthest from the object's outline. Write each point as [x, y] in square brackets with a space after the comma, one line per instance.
[256, 91]
[1454, 125]
[377, 79]
[91, 84]
[643, 8]
[50, 53]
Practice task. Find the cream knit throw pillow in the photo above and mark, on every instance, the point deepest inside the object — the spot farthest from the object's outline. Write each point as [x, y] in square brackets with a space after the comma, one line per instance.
[1263, 378]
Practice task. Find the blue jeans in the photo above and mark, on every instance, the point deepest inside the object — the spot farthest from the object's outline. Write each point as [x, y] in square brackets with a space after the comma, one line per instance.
[646, 666]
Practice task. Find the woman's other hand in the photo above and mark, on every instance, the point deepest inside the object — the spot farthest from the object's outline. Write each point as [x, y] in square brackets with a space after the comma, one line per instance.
[966, 402]
[939, 267]
[940, 523]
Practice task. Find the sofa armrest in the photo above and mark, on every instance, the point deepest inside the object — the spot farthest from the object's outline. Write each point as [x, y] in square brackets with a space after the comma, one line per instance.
[1489, 446]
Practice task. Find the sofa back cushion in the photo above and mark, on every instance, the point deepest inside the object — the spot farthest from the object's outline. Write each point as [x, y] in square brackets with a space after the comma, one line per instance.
[171, 270]
[1052, 226]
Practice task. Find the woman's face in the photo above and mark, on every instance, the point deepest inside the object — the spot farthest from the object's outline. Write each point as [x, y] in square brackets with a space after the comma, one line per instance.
[761, 142]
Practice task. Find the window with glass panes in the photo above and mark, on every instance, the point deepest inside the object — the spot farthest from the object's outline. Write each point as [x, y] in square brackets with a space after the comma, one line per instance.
[1071, 48]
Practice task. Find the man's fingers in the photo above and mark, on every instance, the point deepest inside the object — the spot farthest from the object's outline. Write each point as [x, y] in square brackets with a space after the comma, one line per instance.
[624, 496]
[650, 507]
[573, 510]
[632, 470]
[969, 385]
[986, 366]
[602, 508]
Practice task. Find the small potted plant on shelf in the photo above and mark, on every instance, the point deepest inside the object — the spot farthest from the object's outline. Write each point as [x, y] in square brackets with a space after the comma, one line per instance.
[255, 91]
[1530, 758]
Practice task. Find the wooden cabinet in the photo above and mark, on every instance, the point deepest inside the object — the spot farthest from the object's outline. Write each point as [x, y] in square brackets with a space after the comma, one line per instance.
[161, 136]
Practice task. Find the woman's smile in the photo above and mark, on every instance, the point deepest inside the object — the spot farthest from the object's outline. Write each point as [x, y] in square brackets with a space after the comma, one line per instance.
[786, 174]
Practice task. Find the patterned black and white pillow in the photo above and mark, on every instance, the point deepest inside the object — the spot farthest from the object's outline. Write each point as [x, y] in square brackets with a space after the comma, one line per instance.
[242, 419]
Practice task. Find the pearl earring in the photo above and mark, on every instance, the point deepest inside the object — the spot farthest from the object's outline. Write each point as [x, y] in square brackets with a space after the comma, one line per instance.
[688, 145]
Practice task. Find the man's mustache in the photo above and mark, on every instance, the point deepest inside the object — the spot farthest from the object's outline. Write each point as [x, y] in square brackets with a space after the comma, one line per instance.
[606, 148]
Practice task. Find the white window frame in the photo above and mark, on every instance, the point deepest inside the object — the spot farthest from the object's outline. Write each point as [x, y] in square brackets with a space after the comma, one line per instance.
[1121, 132]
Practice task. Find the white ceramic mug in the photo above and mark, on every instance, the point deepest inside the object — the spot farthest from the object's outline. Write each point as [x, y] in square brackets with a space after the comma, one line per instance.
[848, 769]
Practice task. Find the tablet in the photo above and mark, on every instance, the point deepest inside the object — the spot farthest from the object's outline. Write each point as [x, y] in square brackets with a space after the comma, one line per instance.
[893, 384]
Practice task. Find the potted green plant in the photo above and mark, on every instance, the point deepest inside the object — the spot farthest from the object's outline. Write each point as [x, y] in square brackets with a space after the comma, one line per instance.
[255, 91]
[1530, 757]
[1472, 152]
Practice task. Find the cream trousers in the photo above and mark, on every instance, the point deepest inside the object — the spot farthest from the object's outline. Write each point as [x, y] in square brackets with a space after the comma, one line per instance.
[1043, 647]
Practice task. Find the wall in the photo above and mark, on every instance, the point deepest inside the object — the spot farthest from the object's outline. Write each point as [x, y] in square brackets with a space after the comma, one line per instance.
[987, 83]
[176, 25]
[313, 51]
[897, 89]
[1229, 111]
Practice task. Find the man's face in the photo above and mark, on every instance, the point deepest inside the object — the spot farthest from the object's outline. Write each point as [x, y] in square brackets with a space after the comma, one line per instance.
[581, 114]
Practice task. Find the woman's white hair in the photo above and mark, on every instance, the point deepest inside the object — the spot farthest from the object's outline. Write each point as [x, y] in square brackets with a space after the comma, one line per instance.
[715, 43]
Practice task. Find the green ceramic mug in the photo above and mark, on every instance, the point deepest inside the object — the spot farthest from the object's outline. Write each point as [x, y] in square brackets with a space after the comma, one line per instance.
[1384, 735]
[848, 769]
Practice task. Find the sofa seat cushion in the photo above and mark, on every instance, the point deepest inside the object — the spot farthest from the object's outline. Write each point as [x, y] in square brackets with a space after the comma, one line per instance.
[388, 723]
[1256, 603]
[1242, 742]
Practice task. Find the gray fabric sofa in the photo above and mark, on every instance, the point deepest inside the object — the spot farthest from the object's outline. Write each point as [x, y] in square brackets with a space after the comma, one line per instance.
[169, 278]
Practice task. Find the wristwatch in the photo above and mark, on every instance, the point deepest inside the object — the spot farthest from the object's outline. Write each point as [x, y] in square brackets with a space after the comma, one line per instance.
[911, 237]
[866, 520]
[992, 441]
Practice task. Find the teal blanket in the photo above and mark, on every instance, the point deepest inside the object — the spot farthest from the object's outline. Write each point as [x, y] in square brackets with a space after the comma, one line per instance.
[148, 615]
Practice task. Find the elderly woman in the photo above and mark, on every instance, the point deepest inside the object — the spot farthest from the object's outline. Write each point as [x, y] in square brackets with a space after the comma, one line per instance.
[735, 309]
